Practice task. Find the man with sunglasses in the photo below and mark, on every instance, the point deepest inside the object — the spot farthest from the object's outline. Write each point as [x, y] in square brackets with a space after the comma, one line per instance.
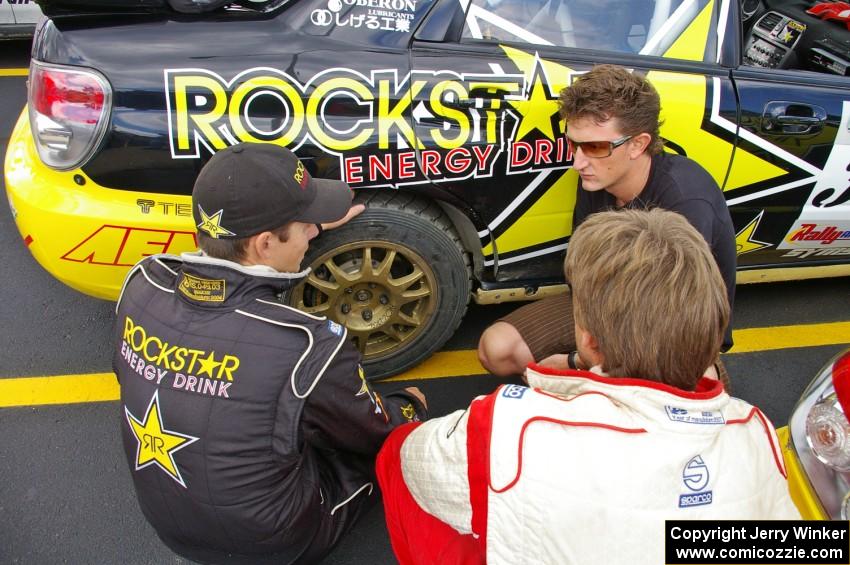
[612, 127]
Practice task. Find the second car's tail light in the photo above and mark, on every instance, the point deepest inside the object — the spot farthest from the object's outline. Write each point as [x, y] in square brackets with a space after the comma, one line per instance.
[820, 434]
[69, 111]
[828, 433]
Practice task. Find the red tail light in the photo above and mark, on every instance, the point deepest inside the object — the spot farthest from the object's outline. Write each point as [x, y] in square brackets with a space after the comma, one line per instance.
[827, 425]
[841, 381]
[75, 97]
[820, 433]
[69, 111]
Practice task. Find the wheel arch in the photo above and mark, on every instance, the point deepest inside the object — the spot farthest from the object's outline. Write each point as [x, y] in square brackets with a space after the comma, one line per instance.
[460, 221]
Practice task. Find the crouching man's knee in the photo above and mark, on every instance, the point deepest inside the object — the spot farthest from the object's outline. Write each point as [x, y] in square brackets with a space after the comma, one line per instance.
[502, 351]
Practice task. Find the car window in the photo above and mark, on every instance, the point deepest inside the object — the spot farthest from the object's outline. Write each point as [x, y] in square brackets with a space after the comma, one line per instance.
[649, 27]
[795, 35]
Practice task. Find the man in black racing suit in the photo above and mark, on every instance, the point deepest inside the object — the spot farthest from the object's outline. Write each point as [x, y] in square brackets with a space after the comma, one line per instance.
[248, 426]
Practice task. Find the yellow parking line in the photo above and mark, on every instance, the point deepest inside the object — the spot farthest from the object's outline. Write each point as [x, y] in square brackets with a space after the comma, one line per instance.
[97, 387]
[14, 72]
[64, 389]
[444, 364]
[785, 337]
[749, 340]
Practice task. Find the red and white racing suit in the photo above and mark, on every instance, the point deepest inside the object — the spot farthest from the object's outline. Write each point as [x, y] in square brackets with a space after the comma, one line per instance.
[578, 468]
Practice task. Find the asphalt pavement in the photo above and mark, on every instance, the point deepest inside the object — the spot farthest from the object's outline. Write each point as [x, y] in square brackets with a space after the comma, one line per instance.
[66, 494]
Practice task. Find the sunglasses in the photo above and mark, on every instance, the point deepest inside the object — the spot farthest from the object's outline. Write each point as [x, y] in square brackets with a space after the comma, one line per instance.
[596, 149]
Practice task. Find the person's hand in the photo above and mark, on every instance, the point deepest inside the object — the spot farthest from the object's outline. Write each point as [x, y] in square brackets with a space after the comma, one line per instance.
[561, 361]
[352, 212]
[418, 394]
[557, 361]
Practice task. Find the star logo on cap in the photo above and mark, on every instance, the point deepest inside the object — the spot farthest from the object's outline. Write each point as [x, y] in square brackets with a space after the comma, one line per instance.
[212, 224]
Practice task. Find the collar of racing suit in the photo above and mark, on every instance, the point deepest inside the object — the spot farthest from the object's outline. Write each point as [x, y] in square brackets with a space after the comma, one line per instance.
[654, 404]
[212, 282]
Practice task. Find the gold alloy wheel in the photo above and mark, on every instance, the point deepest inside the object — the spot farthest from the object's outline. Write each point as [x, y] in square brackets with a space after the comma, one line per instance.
[385, 294]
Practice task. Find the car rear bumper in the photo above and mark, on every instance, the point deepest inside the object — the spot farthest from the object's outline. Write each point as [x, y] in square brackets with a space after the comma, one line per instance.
[802, 492]
[86, 235]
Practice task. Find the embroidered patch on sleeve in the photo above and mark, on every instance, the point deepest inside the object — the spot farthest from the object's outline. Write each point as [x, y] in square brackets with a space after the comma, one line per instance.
[514, 391]
[335, 328]
[409, 413]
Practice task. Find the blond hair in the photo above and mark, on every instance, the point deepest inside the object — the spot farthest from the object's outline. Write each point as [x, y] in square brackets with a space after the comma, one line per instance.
[646, 286]
[612, 92]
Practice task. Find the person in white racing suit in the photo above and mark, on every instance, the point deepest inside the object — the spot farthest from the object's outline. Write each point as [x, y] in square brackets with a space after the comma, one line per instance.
[585, 466]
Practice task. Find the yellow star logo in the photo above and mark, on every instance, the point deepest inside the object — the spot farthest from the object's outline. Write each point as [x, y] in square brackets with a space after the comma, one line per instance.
[208, 365]
[744, 241]
[156, 444]
[212, 224]
[409, 412]
[536, 110]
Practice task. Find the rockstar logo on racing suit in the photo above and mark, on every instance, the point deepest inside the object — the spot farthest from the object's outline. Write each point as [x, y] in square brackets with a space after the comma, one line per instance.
[212, 224]
[156, 444]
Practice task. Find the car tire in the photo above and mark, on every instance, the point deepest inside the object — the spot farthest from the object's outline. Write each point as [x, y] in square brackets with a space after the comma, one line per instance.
[414, 296]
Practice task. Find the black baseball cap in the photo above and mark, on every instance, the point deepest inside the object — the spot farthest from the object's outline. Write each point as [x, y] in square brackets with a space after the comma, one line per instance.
[250, 188]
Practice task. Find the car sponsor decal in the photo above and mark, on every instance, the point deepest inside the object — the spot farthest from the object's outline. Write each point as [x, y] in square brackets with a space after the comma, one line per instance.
[745, 241]
[157, 445]
[146, 206]
[383, 15]
[829, 252]
[124, 246]
[465, 120]
[823, 220]
[391, 129]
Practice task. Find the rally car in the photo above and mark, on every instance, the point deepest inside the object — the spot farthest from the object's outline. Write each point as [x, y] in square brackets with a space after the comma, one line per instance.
[18, 18]
[816, 444]
[443, 116]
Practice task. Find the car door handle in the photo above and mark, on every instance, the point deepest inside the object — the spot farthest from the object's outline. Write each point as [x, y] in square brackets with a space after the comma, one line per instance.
[781, 117]
[801, 120]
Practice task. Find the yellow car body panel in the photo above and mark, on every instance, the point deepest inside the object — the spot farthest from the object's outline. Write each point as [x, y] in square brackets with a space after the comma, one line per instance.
[67, 225]
[801, 491]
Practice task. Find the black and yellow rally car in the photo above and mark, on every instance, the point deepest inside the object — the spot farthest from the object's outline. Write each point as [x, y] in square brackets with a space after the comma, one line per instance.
[443, 116]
